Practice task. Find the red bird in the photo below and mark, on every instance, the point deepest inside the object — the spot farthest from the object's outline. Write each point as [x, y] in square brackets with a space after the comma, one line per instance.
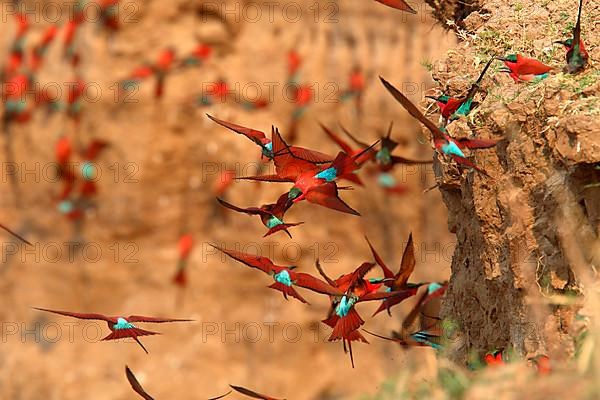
[266, 145]
[346, 148]
[201, 53]
[223, 182]
[313, 183]
[383, 157]
[577, 55]
[429, 336]
[294, 61]
[343, 317]
[356, 87]
[398, 5]
[120, 327]
[452, 108]
[443, 143]
[109, 14]
[15, 235]
[160, 69]
[186, 244]
[285, 277]
[251, 393]
[39, 51]
[271, 215]
[398, 281]
[525, 69]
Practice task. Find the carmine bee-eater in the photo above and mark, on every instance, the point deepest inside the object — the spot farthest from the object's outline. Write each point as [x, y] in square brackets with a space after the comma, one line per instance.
[185, 246]
[39, 50]
[452, 108]
[121, 327]
[312, 182]
[252, 393]
[266, 145]
[302, 97]
[285, 277]
[429, 336]
[15, 235]
[398, 5]
[577, 55]
[137, 387]
[201, 53]
[271, 215]
[346, 148]
[343, 317]
[109, 15]
[294, 61]
[443, 143]
[159, 70]
[355, 90]
[70, 34]
[524, 69]
[399, 280]
[383, 157]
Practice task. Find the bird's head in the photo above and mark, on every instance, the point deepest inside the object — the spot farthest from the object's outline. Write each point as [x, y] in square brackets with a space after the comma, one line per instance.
[294, 193]
[567, 43]
[509, 58]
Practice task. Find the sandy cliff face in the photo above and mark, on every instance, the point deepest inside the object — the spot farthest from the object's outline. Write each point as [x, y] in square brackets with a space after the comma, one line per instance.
[530, 233]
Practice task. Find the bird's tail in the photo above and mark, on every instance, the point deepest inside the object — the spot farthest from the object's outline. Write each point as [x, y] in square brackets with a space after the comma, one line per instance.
[346, 325]
[288, 291]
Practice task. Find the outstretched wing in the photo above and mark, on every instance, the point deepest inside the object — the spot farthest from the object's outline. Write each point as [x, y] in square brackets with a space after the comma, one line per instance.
[155, 320]
[257, 137]
[387, 273]
[311, 156]
[135, 385]
[413, 110]
[398, 5]
[99, 317]
[475, 143]
[267, 178]
[342, 144]
[251, 393]
[287, 165]
[259, 262]
[407, 265]
[468, 163]
[310, 282]
[381, 295]
[327, 196]
[249, 210]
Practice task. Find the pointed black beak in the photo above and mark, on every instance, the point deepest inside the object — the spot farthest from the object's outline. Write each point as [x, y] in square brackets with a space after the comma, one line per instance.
[560, 42]
[432, 98]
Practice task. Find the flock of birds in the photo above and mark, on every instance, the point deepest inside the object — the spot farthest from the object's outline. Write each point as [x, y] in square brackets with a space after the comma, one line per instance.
[314, 176]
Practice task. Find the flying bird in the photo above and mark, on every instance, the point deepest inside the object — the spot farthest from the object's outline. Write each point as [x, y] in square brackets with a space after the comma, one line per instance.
[383, 157]
[577, 55]
[443, 143]
[271, 215]
[185, 246]
[312, 182]
[285, 277]
[266, 144]
[399, 280]
[120, 327]
[343, 317]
